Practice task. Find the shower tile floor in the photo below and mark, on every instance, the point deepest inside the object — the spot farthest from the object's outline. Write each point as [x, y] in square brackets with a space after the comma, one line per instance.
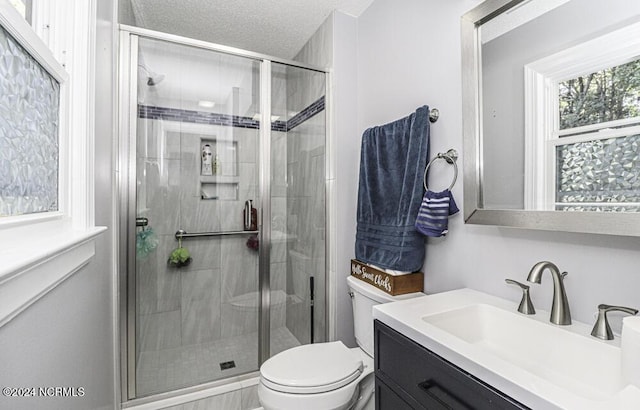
[169, 369]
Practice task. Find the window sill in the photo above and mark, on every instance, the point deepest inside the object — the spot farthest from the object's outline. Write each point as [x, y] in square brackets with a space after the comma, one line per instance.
[35, 262]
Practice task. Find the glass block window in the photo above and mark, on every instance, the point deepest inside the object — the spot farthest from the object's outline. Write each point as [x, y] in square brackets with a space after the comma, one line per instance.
[29, 141]
[597, 141]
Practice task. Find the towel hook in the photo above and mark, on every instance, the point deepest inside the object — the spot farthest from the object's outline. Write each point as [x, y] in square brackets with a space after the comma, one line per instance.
[451, 157]
[434, 114]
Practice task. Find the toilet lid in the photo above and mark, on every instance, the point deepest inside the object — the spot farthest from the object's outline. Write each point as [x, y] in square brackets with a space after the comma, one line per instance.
[313, 368]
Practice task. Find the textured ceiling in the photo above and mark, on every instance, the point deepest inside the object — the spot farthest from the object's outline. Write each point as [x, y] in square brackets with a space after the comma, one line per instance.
[275, 27]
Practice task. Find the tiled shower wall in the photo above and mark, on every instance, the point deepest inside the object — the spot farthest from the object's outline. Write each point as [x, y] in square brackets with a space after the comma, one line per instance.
[212, 297]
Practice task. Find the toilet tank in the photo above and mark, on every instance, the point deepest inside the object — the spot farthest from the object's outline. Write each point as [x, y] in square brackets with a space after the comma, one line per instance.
[364, 298]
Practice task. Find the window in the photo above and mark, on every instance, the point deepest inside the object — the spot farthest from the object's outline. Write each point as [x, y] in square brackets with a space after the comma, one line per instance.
[34, 140]
[597, 144]
[29, 131]
[603, 96]
[47, 173]
[583, 126]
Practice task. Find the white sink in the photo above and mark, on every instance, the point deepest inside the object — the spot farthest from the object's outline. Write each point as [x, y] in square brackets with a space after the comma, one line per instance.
[578, 363]
[537, 363]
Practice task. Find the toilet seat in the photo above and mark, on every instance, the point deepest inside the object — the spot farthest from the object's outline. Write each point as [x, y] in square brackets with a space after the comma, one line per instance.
[309, 369]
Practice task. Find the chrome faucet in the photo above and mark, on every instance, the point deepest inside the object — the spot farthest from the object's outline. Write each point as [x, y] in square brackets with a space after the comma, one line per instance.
[601, 329]
[560, 314]
[526, 306]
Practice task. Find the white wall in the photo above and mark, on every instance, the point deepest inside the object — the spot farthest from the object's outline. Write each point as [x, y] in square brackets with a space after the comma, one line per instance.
[409, 56]
[346, 154]
[66, 339]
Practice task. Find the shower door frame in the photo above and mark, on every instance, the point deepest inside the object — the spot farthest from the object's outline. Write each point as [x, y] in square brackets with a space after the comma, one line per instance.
[126, 210]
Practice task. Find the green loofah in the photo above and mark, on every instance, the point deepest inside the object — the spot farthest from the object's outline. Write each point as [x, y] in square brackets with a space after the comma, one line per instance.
[180, 256]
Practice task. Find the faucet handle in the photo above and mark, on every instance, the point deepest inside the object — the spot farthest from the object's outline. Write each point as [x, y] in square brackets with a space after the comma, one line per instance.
[601, 328]
[526, 306]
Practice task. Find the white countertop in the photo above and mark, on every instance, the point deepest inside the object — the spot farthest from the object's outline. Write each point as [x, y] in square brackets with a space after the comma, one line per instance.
[533, 390]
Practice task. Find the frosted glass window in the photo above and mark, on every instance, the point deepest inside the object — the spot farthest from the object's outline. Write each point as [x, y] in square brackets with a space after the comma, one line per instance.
[605, 172]
[29, 121]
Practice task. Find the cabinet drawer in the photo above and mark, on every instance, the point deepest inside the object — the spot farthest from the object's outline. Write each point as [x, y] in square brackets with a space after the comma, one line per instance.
[429, 379]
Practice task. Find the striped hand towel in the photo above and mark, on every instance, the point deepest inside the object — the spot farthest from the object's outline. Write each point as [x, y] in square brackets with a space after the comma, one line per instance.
[433, 216]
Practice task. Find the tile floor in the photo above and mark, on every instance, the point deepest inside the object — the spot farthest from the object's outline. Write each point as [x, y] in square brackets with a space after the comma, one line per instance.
[170, 369]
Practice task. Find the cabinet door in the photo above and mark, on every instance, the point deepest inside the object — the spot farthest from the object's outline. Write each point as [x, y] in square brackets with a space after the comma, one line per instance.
[387, 399]
[432, 381]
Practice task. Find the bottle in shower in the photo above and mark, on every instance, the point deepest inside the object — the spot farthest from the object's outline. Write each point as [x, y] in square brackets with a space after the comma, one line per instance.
[207, 168]
[250, 216]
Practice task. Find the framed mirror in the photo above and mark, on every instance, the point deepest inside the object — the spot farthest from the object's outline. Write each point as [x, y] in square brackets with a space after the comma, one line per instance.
[551, 111]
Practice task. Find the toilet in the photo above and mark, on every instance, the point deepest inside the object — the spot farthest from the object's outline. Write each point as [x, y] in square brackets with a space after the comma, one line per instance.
[328, 376]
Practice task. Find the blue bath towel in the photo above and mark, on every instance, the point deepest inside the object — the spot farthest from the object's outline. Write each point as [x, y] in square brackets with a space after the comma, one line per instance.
[392, 161]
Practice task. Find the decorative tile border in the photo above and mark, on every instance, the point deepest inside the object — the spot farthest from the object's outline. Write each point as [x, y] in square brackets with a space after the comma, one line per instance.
[305, 114]
[279, 126]
[201, 117]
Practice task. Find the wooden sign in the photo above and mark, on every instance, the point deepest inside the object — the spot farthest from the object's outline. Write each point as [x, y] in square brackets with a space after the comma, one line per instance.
[393, 285]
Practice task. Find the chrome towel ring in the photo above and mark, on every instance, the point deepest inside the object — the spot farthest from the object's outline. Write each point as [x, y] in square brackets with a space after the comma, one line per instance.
[451, 157]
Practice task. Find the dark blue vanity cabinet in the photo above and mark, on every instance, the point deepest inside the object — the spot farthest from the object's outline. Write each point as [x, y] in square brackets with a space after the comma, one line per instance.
[408, 376]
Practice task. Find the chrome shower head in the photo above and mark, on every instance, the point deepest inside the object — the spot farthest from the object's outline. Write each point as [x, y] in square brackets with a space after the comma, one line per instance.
[154, 79]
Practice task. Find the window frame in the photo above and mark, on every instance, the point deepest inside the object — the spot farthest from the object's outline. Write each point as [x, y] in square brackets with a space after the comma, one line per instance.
[542, 133]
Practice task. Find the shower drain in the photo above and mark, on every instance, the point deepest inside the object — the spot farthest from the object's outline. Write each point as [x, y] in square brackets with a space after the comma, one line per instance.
[227, 365]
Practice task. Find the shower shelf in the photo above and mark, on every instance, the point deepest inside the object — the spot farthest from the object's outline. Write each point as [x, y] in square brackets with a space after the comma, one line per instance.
[181, 234]
[219, 179]
[219, 187]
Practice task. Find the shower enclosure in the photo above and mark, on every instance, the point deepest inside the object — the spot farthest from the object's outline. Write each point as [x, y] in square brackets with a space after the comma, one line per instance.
[222, 166]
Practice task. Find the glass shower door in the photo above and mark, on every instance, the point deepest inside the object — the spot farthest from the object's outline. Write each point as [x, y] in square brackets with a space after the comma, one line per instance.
[197, 198]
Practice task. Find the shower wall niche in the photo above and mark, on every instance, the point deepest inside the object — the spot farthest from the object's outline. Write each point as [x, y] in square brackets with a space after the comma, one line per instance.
[221, 180]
